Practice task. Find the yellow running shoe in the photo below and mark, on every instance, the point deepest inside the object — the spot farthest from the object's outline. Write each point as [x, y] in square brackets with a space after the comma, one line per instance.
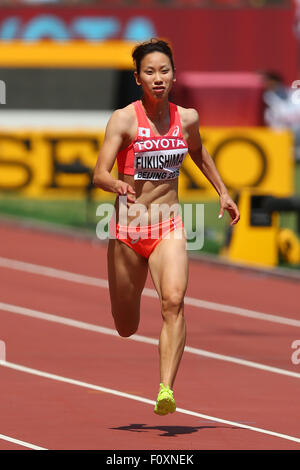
[165, 402]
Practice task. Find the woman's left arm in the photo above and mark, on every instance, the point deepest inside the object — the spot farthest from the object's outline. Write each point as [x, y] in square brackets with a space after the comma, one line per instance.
[205, 163]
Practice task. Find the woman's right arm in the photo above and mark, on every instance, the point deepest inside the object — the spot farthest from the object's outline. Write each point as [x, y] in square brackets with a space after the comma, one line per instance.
[116, 136]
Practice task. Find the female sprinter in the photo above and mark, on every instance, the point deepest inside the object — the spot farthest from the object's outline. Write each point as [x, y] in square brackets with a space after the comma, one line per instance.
[150, 138]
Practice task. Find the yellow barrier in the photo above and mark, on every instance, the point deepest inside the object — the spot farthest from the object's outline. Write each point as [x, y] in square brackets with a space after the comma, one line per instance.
[109, 54]
[289, 246]
[245, 157]
[258, 239]
[254, 240]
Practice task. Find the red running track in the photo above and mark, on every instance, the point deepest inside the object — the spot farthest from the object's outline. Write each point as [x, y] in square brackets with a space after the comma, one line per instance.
[256, 398]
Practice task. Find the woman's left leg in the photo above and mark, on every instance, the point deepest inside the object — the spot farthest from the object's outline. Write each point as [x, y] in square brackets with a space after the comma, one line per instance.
[168, 266]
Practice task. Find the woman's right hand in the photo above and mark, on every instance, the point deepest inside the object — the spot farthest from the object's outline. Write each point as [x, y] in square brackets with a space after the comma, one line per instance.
[124, 189]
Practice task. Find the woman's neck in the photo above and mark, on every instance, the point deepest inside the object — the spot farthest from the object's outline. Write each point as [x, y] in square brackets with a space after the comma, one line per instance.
[155, 110]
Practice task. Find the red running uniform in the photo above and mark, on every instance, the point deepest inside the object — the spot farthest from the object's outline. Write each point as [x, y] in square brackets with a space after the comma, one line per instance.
[153, 158]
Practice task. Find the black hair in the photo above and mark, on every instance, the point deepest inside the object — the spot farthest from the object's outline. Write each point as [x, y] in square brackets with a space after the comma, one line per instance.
[153, 45]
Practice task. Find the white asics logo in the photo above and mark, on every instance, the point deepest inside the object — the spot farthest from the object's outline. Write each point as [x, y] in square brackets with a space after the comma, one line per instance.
[134, 240]
[176, 131]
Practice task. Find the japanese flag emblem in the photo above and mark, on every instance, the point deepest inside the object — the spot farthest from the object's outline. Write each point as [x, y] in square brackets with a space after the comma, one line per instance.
[144, 132]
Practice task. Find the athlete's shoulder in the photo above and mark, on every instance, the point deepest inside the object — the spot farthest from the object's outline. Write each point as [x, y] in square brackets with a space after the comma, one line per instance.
[123, 119]
[189, 116]
[121, 114]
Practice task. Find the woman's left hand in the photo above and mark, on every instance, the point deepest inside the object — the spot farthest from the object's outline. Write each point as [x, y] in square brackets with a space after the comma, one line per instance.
[226, 203]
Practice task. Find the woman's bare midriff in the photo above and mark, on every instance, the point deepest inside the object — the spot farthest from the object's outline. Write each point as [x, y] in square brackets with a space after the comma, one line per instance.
[155, 201]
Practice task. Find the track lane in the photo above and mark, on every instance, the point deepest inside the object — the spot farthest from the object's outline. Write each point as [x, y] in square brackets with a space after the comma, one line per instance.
[206, 281]
[223, 389]
[250, 339]
[251, 396]
[86, 424]
[171, 430]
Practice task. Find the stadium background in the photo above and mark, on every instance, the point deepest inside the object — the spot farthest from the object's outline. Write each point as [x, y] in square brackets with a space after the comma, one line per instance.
[66, 66]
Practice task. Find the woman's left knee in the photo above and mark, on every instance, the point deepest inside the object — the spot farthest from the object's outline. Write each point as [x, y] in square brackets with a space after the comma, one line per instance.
[172, 301]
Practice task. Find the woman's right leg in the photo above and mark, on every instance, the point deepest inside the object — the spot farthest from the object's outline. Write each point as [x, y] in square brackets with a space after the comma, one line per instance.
[127, 274]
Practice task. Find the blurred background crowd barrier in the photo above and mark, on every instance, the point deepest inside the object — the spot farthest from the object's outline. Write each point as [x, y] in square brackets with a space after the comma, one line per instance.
[66, 65]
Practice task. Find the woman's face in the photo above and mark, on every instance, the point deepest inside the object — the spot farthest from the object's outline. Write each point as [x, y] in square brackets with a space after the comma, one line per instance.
[156, 75]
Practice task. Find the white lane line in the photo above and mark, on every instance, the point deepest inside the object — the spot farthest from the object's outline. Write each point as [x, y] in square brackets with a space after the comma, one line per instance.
[17, 441]
[244, 312]
[142, 339]
[2, 351]
[52, 272]
[2, 436]
[93, 281]
[118, 393]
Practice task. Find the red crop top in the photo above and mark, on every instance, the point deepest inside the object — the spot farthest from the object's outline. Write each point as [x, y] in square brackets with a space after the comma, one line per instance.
[151, 157]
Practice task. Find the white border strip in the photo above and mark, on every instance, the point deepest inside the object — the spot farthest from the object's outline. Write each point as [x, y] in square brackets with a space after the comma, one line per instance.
[142, 339]
[118, 393]
[2, 351]
[55, 119]
[21, 443]
[93, 281]
[2, 436]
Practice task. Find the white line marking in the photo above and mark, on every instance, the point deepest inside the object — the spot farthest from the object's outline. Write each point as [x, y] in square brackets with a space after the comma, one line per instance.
[2, 436]
[93, 281]
[52, 272]
[110, 391]
[143, 339]
[2, 351]
[241, 311]
[21, 443]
